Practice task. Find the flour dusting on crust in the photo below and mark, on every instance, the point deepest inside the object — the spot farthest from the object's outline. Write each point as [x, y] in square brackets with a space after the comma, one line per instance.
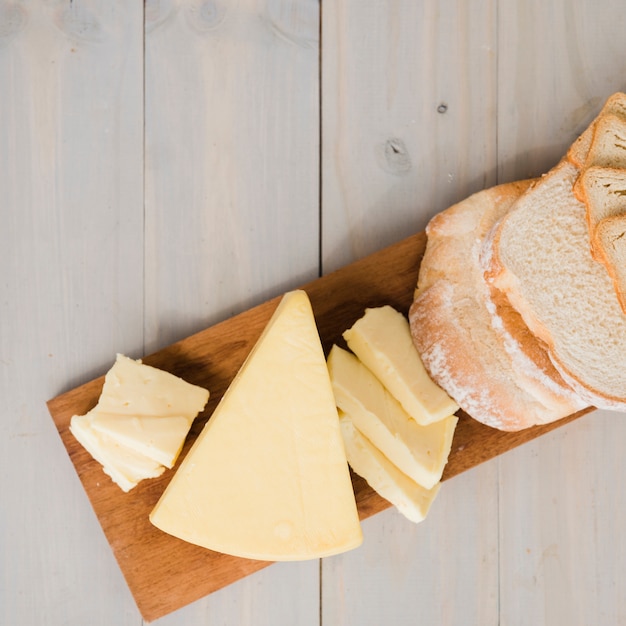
[465, 345]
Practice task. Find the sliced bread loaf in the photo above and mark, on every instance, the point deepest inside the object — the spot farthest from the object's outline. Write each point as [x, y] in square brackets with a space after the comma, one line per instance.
[494, 369]
[538, 256]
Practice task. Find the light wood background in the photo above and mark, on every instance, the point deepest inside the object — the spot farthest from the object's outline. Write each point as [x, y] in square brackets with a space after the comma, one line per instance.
[168, 164]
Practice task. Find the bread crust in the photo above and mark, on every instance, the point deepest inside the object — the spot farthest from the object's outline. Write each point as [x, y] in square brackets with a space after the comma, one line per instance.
[579, 150]
[610, 242]
[601, 185]
[477, 349]
[603, 192]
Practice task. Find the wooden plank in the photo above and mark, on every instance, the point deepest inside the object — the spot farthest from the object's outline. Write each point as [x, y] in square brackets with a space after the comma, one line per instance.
[402, 566]
[408, 103]
[70, 285]
[232, 159]
[562, 517]
[165, 573]
[571, 62]
[232, 207]
[561, 503]
[409, 109]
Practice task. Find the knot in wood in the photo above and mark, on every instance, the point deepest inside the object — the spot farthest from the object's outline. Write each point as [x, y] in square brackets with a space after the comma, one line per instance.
[393, 156]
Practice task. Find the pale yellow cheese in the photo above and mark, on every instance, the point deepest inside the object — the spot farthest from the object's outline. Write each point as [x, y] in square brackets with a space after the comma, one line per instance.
[158, 438]
[268, 477]
[382, 341]
[410, 498]
[421, 452]
[123, 465]
[140, 422]
[134, 388]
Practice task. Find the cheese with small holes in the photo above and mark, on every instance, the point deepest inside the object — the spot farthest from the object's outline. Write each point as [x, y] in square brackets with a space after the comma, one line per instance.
[382, 341]
[141, 421]
[134, 388]
[421, 452]
[409, 498]
[267, 478]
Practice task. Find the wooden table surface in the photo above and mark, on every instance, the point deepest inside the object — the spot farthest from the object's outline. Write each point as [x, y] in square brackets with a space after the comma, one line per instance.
[164, 166]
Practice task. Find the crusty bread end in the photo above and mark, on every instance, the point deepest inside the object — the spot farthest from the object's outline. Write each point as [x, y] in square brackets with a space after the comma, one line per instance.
[482, 355]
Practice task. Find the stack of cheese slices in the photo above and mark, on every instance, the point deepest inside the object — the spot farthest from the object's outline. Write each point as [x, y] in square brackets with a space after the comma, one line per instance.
[397, 425]
[140, 423]
[519, 311]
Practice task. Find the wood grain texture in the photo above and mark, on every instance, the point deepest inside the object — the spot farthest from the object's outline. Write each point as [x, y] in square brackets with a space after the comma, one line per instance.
[232, 117]
[71, 212]
[562, 551]
[232, 207]
[541, 109]
[232, 158]
[560, 504]
[421, 75]
[406, 131]
[165, 573]
[418, 588]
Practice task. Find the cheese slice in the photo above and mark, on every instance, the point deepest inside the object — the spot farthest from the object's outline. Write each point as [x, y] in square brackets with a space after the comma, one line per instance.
[124, 466]
[158, 438]
[134, 388]
[382, 341]
[410, 498]
[421, 452]
[140, 422]
[267, 477]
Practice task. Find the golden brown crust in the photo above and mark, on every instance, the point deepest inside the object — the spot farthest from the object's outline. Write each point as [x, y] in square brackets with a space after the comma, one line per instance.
[610, 243]
[476, 360]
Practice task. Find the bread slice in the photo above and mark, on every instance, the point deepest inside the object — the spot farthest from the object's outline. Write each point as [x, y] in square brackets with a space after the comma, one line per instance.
[501, 378]
[579, 150]
[601, 185]
[610, 241]
[608, 146]
[606, 150]
[538, 256]
[603, 192]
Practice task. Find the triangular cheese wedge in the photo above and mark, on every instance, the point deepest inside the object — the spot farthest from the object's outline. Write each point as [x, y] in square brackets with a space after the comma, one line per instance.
[158, 438]
[134, 388]
[268, 478]
[126, 467]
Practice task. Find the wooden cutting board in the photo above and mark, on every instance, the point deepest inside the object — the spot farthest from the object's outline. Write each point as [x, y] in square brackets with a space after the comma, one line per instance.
[165, 573]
